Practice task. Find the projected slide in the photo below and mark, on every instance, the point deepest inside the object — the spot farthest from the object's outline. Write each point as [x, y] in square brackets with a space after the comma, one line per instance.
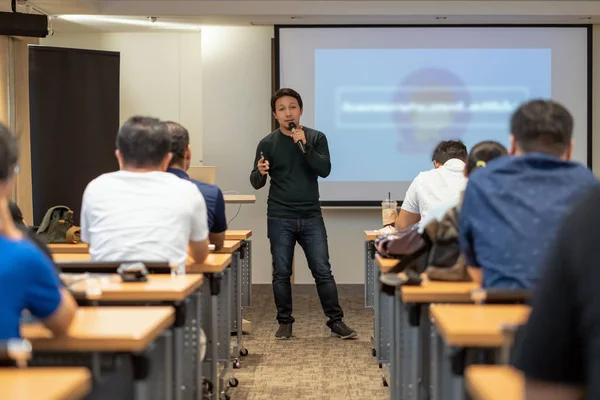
[384, 110]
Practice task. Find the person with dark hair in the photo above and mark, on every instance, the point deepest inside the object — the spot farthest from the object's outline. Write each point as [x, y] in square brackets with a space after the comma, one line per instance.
[141, 212]
[442, 183]
[28, 280]
[512, 208]
[294, 211]
[479, 157]
[180, 163]
[559, 348]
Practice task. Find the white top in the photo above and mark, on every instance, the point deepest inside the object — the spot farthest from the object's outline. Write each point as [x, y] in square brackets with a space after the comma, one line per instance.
[435, 186]
[144, 216]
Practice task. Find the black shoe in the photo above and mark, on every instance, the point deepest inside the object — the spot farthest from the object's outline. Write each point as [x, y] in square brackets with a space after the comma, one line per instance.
[284, 332]
[341, 330]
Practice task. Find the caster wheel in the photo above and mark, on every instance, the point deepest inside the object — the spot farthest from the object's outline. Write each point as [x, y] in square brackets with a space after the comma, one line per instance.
[233, 382]
[385, 384]
[374, 352]
[243, 352]
[208, 386]
[236, 364]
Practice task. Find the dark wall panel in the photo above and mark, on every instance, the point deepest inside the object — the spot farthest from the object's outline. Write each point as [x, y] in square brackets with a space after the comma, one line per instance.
[74, 108]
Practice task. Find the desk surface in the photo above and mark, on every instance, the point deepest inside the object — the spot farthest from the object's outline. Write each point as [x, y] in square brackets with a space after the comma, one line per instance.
[438, 292]
[385, 264]
[239, 198]
[371, 235]
[157, 288]
[240, 234]
[472, 325]
[44, 383]
[229, 246]
[214, 263]
[494, 382]
[71, 257]
[69, 248]
[104, 329]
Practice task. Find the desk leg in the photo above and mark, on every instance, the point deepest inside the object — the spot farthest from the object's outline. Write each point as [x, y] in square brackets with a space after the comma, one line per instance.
[383, 325]
[168, 357]
[246, 267]
[425, 353]
[236, 307]
[369, 275]
[213, 332]
[435, 371]
[452, 385]
[396, 349]
[197, 326]
[178, 363]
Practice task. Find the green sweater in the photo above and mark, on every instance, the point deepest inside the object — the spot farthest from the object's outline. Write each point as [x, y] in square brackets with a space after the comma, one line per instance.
[294, 191]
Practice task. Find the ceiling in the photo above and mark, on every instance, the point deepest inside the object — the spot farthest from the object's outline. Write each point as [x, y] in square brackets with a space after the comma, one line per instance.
[270, 12]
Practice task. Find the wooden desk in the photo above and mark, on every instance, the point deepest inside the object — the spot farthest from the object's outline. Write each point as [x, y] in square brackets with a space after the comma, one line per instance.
[104, 329]
[239, 198]
[229, 246]
[240, 234]
[471, 325]
[157, 288]
[371, 235]
[214, 263]
[71, 257]
[438, 292]
[497, 382]
[69, 248]
[44, 383]
[385, 264]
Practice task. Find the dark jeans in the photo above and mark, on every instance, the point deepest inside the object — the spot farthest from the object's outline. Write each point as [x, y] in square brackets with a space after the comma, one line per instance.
[310, 233]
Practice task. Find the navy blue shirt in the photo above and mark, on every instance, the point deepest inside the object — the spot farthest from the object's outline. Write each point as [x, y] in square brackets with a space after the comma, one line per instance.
[215, 203]
[511, 212]
[28, 281]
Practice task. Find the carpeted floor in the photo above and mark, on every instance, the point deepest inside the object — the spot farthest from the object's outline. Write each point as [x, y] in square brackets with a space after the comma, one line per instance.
[312, 366]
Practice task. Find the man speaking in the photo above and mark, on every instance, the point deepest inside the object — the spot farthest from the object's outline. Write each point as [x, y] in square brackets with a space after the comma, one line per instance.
[294, 157]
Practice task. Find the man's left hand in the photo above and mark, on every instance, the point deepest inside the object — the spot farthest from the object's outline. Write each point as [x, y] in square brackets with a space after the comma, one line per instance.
[298, 136]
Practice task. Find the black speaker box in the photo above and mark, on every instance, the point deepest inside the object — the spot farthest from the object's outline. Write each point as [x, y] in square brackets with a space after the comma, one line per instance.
[18, 24]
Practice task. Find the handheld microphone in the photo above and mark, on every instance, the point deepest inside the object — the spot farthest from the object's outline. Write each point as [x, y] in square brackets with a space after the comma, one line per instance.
[292, 127]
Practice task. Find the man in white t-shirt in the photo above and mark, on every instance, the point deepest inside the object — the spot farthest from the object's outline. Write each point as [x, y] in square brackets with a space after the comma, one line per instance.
[141, 212]
[443, 183]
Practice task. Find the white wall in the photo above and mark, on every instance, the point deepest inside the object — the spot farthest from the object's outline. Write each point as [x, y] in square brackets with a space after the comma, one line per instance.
[236, 74]
[160, 74]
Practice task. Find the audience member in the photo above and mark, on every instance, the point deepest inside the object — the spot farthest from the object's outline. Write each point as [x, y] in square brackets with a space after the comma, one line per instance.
[180, 163]
[28, 280]
[141, 212]
[512, 209]
[445, 181]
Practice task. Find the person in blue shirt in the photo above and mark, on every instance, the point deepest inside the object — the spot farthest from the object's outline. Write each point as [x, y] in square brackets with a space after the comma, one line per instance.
[28, 280]
[180, 163]
[513, 208]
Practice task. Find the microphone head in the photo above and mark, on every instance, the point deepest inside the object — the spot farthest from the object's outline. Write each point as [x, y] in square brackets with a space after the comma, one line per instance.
[292, 125]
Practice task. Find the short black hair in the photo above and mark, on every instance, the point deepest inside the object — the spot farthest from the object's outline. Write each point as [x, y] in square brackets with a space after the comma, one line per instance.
[482, 153]
[285, 92]
[9, 153]
[449, 149]
[180, 140]
[543, 126]
[143, 142]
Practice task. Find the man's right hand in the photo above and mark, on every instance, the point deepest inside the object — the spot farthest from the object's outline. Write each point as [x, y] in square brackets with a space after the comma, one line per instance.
[263, 166]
